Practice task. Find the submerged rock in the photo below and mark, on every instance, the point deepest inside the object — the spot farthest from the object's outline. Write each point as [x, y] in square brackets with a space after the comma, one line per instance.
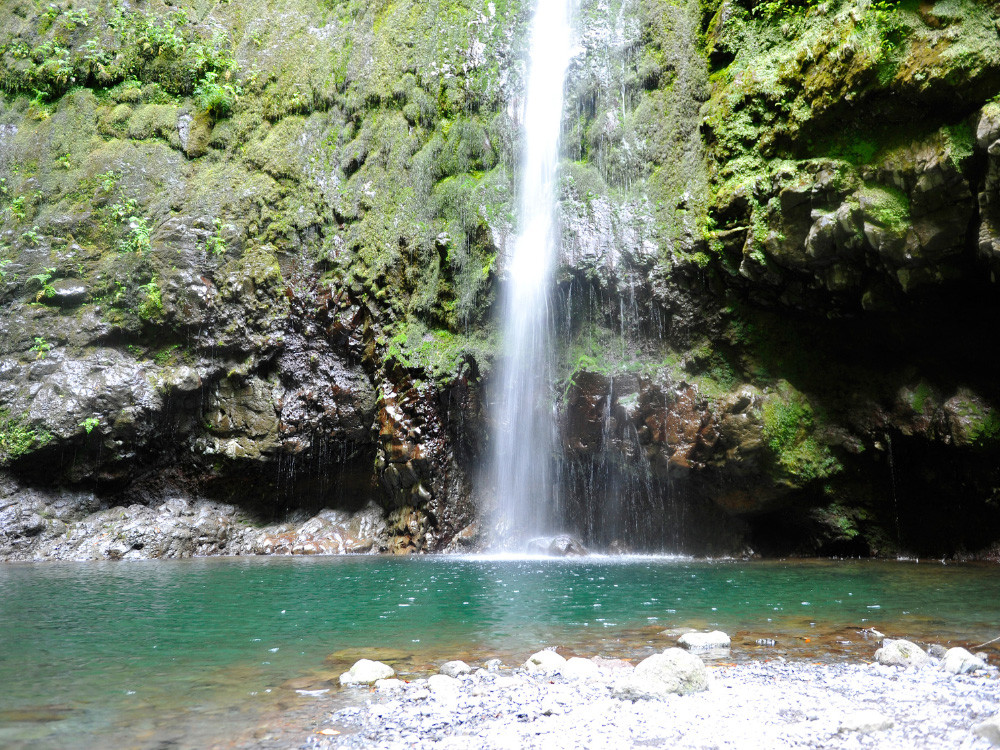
[901, 653]
[675, 671]
[455, 668]
[366, 672]
[562, 545]
[959, 661]
[704, 641]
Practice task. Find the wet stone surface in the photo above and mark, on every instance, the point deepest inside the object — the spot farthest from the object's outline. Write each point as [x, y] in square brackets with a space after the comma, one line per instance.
[754, 705]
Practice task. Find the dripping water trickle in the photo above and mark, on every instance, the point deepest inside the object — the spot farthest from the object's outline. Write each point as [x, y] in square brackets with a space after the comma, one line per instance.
[522, 472]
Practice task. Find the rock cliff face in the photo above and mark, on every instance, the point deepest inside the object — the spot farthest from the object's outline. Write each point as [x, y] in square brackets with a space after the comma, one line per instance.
[248, 255]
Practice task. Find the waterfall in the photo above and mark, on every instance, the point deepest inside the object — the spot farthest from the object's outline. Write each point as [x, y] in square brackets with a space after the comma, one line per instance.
[524, 428]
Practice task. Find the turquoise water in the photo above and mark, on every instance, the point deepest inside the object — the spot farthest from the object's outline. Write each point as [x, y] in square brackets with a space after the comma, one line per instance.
[195, 652]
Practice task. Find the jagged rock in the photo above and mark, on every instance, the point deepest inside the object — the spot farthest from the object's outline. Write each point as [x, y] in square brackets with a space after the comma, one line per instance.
[901, 653]
[366, 671]
[455, 668]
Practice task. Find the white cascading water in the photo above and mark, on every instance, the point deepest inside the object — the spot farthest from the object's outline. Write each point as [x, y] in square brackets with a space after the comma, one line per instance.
[523, 439]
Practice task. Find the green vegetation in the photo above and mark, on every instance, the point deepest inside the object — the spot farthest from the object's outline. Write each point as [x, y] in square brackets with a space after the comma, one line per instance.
[216, 242]
[41, 347]
[17, 438]
[888, 206]
[789, 428]
[90, 423]
[151, 306]
[136, 239]
[45, 288]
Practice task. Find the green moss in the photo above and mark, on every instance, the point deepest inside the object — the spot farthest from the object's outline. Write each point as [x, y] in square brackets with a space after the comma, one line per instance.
[961, 142]
[438, 352]
[17, 439]
[920, 395]
[788, 423]
[887, 206]
[151, 305]
[981, 424]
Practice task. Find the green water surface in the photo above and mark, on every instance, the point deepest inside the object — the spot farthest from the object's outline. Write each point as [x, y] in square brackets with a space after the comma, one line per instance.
[142, 654]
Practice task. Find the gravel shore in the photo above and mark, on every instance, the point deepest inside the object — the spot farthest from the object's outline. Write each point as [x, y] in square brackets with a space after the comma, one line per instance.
[772, 704]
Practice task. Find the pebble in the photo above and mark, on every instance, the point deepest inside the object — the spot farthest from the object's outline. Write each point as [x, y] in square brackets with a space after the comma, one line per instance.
[866, 721]
[774, 704]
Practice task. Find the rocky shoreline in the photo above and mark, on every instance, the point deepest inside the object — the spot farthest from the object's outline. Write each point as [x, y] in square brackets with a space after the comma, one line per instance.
[906, 698]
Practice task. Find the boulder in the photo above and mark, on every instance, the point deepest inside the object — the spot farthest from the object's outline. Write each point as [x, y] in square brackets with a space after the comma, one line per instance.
[989, 729]
[366, 672]
[704, 641]
[580, 669]
[868, 720]
[545, 661]
[959, 661]
[455, 668]
[562, 545]
[901, 653]
[936, 651]
[675, 671]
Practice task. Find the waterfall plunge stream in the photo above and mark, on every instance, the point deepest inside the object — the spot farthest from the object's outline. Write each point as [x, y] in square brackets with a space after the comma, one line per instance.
[524, 428]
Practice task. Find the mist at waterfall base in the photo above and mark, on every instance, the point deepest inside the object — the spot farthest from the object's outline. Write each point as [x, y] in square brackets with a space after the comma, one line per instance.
[523, 437]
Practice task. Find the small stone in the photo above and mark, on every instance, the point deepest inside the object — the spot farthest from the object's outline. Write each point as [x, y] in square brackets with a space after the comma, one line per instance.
[493, 665]
[385, 686]
[959, 661]
[544, 661]
[704, 641]
[989, 730]
[443, 684]
[901, 653]
[366, 671]
[865, 721]
[937, 651]
[455, 668]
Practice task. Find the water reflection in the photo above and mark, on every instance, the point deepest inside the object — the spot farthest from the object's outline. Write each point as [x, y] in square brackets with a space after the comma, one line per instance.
[94, 649]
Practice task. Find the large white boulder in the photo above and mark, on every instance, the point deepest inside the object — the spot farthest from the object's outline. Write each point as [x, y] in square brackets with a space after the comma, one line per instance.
[545, 661]
[675, 671]
[366, 672]
[959, 661]
[900, 653]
